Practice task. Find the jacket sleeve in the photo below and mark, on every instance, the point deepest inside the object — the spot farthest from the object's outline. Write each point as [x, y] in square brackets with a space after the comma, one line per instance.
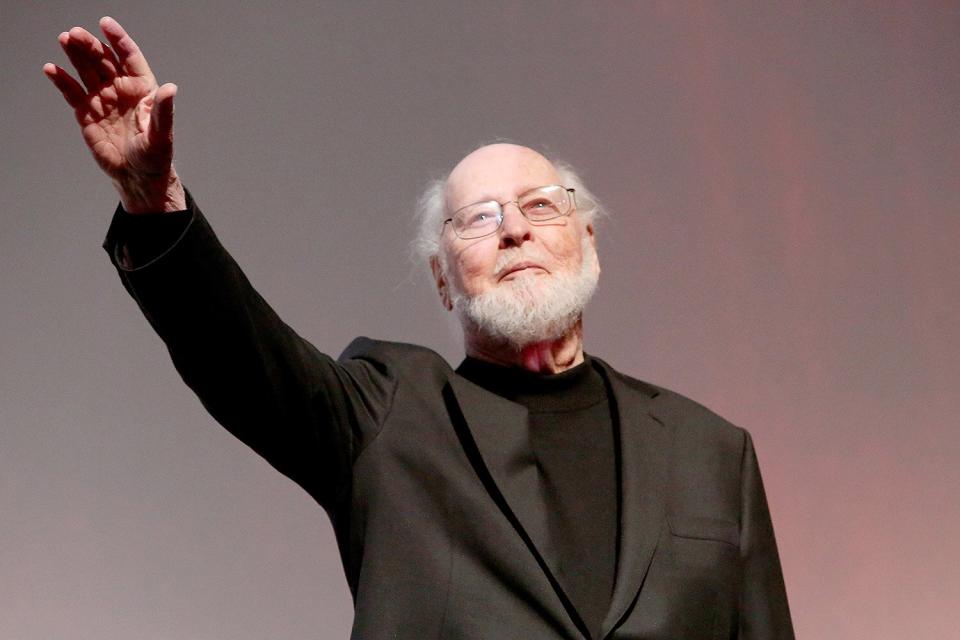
[764, 612]
[306, 413]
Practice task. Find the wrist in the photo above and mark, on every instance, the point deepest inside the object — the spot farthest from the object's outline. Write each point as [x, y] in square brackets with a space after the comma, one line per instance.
[152, 194]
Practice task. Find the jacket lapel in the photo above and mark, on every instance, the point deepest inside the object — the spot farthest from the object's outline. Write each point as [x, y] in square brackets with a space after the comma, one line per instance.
[645, 449]
[495, 434]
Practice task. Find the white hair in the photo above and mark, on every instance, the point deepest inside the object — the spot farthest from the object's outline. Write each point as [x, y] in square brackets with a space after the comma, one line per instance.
[432, 210]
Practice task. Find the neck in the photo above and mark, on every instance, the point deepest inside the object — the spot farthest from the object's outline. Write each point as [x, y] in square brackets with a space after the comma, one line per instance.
[549, 356]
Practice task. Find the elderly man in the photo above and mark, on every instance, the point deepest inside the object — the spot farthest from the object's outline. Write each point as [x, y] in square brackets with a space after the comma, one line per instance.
[533, 492]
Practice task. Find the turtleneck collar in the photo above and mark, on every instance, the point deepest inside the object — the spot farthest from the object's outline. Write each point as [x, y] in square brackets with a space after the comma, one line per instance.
[576, 388]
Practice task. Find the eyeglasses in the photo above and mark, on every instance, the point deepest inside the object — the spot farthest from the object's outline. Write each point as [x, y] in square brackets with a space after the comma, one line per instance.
[482, 219]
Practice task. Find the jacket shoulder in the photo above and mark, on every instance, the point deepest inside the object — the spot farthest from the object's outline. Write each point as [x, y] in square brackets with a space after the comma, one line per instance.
[687, 410]
[705, 460]
[687, 417]
[397, 358]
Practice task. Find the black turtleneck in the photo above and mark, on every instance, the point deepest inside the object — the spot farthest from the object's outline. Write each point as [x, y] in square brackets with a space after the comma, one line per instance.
[571, 433]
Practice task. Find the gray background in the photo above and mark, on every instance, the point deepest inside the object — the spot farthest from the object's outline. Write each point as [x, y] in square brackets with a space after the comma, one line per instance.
[784, 186]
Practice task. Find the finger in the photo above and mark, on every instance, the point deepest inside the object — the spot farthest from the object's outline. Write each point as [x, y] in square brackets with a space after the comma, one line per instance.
[72, 92]
[79, 57]
[109, 65]
[89, 57]
[131, 59]
[161, 117]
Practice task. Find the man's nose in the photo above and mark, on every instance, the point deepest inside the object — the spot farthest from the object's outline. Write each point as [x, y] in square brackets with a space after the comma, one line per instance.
[515, 228]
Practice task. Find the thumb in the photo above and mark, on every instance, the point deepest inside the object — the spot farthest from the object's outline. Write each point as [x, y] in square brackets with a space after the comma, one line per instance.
[161, 116]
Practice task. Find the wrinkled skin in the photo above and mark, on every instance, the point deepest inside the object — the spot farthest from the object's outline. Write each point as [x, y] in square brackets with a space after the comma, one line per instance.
[125, 116]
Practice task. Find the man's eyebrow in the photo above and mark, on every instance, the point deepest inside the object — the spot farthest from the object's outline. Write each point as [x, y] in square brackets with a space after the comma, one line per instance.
[475, 201]
[489, 198]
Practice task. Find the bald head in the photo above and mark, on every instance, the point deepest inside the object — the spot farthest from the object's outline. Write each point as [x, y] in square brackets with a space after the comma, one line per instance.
[497, 172]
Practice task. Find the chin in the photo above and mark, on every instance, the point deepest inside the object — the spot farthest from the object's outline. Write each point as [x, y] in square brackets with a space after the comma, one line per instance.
[527, 308]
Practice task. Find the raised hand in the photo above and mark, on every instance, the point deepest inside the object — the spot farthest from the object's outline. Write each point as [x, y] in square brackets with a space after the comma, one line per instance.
[126, 118]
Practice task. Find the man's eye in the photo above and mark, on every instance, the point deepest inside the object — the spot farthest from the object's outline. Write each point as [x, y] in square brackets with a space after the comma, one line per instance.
[479, 219]
[539, 207]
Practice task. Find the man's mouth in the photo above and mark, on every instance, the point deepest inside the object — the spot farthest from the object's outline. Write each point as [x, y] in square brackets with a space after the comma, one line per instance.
[520, 267]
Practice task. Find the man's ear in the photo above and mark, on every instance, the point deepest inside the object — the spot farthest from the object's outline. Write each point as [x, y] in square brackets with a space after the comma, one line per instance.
[593, 241]
[441, 281]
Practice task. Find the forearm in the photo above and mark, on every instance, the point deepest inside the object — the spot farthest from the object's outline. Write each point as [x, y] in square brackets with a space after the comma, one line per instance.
[254, 374]
[152, 193]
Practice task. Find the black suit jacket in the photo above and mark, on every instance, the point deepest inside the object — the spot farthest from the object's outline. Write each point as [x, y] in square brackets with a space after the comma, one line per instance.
[431, 486]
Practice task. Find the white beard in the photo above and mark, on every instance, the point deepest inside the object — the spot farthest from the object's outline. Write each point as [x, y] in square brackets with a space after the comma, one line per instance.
[530, 307]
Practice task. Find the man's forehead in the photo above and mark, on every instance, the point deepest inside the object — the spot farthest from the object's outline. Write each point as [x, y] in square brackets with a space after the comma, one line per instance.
[498, 171]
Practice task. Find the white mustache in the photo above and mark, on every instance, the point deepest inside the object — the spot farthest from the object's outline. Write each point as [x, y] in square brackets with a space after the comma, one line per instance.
[510, 257]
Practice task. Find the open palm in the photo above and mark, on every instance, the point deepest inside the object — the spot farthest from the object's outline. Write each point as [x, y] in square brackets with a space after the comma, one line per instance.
[126, 118]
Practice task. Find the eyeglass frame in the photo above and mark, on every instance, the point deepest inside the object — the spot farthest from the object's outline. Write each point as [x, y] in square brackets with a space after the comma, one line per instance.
[502, 205]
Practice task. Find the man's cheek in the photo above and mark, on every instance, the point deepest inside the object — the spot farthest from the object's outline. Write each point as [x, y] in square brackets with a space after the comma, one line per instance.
[473, 273]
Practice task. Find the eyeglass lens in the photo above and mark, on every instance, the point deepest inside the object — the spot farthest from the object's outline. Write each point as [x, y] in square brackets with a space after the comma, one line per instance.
[537, 205]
